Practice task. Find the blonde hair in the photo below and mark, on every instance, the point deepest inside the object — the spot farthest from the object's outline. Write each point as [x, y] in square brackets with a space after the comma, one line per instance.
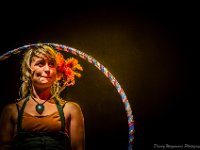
[26, 69]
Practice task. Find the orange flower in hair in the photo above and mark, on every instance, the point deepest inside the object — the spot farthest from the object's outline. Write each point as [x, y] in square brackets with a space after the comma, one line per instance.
[68, 69]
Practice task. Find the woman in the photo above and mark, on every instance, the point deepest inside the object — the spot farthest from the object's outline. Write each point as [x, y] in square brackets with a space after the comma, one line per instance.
[40, 119]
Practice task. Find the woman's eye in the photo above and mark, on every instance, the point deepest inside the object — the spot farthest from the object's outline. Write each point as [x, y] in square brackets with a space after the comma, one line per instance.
[51, 64]
[40, 64]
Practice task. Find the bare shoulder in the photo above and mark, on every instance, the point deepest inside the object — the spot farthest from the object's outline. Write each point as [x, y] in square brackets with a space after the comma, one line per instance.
[9, 110]
[72, 107]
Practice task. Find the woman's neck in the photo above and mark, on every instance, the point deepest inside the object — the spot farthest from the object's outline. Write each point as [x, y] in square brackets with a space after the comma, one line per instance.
[43, 94]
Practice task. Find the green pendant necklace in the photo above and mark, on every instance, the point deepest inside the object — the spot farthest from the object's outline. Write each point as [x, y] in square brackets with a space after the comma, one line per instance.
[39, 107]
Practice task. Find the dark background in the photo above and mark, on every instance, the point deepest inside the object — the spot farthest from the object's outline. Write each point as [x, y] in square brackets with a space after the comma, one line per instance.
[148, 47]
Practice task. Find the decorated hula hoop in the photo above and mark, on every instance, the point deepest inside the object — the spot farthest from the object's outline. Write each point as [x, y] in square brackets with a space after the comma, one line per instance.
[96, 64]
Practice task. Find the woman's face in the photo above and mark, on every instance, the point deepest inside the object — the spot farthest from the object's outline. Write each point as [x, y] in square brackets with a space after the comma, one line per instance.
[43, 71]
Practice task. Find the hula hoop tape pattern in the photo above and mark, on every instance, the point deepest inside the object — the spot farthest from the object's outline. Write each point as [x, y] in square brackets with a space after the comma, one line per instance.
[96, 64]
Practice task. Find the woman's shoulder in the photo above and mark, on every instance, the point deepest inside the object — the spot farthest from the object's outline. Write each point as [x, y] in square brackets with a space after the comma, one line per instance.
[12, 107]
[72, 104]
[72, 107]
[9, 109]
[68, 103]
[20, 102]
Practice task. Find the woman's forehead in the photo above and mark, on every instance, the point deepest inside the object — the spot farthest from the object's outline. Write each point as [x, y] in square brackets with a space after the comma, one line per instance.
[41, 57]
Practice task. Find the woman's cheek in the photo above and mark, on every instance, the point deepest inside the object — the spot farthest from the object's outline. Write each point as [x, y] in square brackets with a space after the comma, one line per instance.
[54, 74]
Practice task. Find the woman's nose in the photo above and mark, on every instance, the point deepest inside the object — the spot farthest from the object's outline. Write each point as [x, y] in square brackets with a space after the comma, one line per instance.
[46, 68]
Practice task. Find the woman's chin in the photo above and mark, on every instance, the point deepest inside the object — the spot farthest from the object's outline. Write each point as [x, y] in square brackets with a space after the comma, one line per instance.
[45, 83]
[46, 80]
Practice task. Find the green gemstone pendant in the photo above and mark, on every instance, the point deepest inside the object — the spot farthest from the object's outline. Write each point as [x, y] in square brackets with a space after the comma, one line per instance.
[39, 108]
